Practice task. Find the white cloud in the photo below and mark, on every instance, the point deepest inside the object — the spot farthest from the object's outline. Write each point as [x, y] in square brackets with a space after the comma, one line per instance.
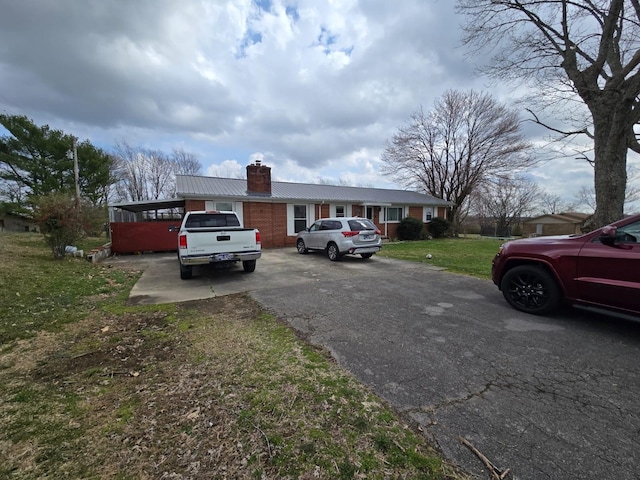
[315, 88]
[226, 169]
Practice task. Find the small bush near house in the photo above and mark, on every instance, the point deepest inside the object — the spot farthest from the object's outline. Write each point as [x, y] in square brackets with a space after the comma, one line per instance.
[438, 227]
[63, 222]
[516, 230]
[410, 228]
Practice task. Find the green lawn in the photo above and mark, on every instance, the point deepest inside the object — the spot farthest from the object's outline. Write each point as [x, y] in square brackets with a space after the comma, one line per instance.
[92, 387]
[470, 256]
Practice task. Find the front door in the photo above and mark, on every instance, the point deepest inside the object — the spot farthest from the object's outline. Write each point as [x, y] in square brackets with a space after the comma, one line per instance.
[370, 214]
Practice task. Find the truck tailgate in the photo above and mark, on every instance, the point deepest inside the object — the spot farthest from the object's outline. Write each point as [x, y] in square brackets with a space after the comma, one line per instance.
[216, 240]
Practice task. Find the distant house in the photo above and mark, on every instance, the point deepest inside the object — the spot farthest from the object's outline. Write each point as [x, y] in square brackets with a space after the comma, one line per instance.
[278, 209]
[10, 222]
[569, 223]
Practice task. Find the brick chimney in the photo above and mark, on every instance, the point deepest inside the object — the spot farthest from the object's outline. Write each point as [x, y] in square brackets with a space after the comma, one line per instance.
[258, 178]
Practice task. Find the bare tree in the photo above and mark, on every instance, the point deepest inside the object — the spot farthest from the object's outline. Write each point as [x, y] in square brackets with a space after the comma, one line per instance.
[130, 173]
[467, 139]
[144, 174]
[160, 174]
[553, 204]
[586, 196]
[185, 163]
[583, 47]
[503, 202]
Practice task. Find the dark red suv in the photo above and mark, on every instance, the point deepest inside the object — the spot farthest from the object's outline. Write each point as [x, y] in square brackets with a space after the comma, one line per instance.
[600, 269]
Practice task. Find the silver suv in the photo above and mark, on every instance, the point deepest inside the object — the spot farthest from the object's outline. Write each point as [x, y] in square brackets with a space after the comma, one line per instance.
[341, 236]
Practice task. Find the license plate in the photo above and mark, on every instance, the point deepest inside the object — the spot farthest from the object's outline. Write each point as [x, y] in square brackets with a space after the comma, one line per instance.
[366, 237]
[223, 257]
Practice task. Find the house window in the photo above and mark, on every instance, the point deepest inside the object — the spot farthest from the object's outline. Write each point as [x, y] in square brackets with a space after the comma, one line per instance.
[393, 214]
[223, 206]
[428, 214]
[299, 217]
[339, 210]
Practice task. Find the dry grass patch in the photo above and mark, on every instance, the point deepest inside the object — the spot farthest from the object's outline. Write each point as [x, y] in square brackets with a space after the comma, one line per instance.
[214, 389]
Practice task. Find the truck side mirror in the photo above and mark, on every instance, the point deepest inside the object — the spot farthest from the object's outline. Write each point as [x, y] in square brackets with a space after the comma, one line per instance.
[608, 235]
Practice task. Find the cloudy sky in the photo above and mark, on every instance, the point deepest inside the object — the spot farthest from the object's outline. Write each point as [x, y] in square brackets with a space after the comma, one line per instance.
[313, 88]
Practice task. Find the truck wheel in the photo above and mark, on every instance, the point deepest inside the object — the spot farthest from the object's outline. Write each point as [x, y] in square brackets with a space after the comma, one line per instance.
[531, 289]
[249, 265]
[332, 252]
[186, 271]
[301, 247]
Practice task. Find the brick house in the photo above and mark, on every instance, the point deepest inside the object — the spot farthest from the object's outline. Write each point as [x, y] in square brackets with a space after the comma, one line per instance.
[569, 223]
[281, 209]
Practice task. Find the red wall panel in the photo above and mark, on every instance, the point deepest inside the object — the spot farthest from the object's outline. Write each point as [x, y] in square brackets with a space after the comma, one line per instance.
[134, 237]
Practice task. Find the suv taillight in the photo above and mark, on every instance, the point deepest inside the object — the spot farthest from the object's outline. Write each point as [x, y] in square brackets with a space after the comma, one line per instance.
[350, 234]
[182, 241]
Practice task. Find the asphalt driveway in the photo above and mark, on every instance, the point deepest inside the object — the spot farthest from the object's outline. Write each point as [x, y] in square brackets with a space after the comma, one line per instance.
[547, 397]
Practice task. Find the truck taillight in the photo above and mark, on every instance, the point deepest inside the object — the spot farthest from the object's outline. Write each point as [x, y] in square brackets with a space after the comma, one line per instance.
[258, 241]
[182, 241]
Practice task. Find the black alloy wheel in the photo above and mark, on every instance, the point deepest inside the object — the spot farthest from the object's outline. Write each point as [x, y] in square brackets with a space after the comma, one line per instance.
[531, 289]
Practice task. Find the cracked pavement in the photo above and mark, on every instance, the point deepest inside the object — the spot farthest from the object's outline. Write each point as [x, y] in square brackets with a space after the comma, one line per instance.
[551, 398]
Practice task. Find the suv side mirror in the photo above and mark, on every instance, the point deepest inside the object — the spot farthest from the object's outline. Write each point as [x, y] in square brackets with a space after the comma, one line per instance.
[608, 235]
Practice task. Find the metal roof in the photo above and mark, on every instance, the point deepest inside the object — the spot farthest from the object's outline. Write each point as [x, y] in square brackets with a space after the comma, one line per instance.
[190, 186]
[146, 205]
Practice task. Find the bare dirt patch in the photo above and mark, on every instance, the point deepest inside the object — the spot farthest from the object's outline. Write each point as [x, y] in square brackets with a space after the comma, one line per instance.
[212, 389]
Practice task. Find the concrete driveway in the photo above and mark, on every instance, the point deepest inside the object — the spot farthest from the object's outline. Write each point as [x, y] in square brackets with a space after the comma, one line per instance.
[547, 397]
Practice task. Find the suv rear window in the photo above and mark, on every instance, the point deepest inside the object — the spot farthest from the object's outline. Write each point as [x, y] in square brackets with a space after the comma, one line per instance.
[361, 224]
[204, 220]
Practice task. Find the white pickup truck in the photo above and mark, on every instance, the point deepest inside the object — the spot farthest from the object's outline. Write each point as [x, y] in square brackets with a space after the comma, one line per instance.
[208, 237]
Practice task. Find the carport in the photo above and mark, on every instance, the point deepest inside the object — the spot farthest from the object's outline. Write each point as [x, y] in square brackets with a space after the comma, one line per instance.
[143, 226]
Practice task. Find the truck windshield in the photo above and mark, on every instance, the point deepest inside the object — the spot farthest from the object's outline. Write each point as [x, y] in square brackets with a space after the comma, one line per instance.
[205, 220]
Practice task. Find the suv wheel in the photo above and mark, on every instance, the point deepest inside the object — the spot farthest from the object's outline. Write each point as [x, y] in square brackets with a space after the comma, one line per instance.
[531, 289]
[332, 252]
[301, 247]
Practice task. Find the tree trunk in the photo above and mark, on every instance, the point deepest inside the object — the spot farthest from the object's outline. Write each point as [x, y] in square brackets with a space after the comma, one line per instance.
[611, 122]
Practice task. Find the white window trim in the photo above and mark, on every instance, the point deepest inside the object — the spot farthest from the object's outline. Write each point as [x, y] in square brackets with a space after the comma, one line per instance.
[424, 213]
[235, 206]
[402, 215]
[333, 209]
[239, 209]
[290, 218]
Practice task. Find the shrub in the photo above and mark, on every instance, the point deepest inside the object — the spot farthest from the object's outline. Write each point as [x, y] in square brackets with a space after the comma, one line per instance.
[410, 228]
[63, 222]
[516, 230]
[438, 227]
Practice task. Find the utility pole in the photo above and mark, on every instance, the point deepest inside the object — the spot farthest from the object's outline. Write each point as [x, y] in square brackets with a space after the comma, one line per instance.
[76, 172]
